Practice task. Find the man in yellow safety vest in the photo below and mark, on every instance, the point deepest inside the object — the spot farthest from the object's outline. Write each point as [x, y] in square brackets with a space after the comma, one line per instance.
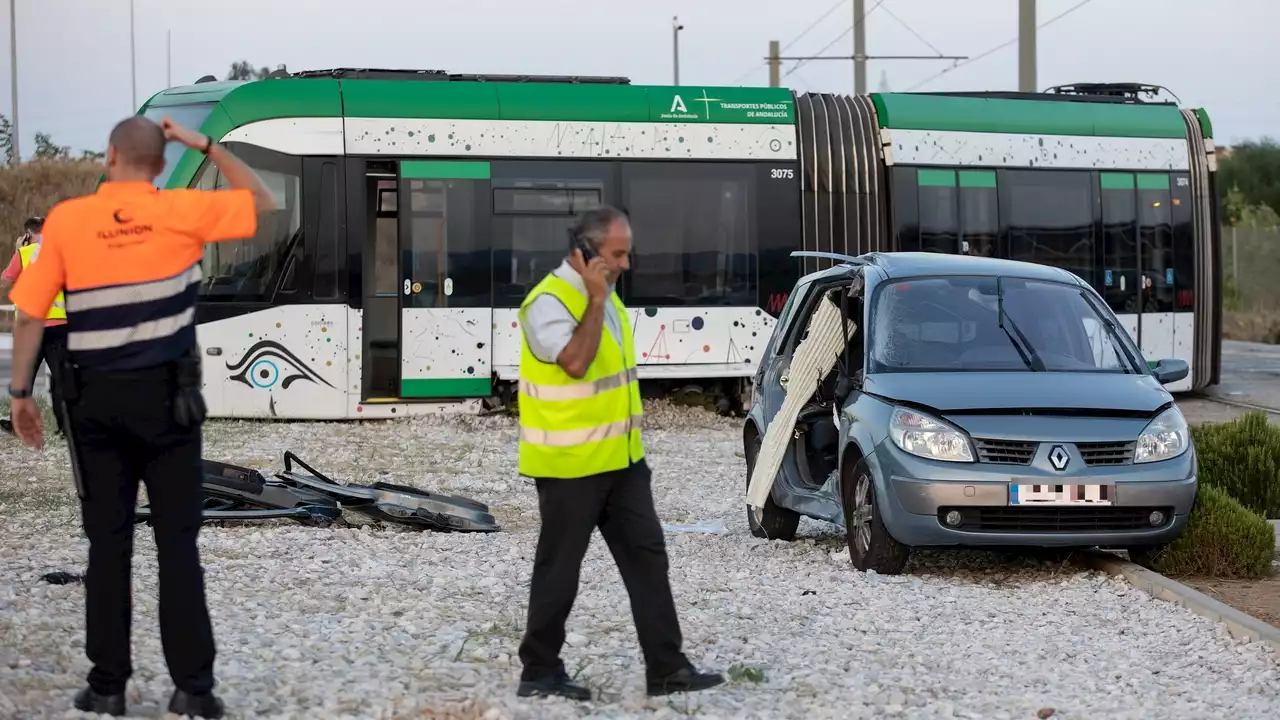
[580, 441]
[53, 345]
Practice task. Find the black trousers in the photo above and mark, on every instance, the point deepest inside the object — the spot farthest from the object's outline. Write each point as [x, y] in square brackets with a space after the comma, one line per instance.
[53, 350]
[123, 428]
[620, 503]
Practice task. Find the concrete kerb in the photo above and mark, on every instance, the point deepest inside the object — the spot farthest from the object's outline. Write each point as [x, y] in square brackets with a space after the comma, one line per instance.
[1242, 626]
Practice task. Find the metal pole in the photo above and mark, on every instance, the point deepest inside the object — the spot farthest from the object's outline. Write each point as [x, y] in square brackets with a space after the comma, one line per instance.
[1027, 46]
[775, 65]
[133, 64]
[859, 47]
[676, 27]
[13, 69]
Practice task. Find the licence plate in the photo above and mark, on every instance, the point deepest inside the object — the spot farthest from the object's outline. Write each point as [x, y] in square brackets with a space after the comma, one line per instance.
[1062, 494]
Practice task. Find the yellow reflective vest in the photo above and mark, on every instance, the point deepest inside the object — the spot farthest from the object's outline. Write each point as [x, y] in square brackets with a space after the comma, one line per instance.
[28, 253]
[572, 427]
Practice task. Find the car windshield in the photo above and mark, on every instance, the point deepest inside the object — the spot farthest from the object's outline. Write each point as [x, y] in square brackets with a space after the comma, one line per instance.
[949, 324]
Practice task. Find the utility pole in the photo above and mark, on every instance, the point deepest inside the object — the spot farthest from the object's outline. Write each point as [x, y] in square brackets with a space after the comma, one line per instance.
[859, 47]
[775, 65]
[1027, 46]
[676, 27]
[133, 62]
[13, 69]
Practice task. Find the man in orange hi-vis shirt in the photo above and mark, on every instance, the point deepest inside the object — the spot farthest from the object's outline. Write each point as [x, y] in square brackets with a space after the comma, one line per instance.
[128, 258]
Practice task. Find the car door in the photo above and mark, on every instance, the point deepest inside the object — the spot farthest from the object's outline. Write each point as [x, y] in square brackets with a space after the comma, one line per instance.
[773, 362]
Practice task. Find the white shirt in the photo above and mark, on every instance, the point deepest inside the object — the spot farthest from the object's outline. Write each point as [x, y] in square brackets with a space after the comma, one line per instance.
[548, 325]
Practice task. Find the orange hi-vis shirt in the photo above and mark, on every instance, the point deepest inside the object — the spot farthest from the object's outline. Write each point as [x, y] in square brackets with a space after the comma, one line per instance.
[128, 258]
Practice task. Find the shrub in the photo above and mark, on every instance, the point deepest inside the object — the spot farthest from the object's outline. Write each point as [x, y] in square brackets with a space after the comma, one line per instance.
[1242, 457]
[1222, 539]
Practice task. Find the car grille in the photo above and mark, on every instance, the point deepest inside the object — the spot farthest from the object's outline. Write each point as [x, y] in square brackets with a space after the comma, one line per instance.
[1055, 519]
[1106, 453]
[1005, 452]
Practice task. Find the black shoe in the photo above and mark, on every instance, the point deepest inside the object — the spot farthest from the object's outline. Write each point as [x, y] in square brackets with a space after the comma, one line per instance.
[685, 680]
[560, 685]
[204, 705]
[87, 700]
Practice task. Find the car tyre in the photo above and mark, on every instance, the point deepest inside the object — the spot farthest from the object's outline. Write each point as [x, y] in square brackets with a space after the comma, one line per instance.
[871, 547]
[776, 522]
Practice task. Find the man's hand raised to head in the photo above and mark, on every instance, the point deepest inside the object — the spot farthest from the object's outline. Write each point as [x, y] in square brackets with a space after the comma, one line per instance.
[177, 133]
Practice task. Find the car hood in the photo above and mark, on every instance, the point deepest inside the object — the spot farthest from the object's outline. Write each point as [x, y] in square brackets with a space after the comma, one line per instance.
[973, 391]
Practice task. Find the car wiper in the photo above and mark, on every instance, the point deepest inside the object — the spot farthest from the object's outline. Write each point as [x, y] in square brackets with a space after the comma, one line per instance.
[1032, 361]
[1111, 326]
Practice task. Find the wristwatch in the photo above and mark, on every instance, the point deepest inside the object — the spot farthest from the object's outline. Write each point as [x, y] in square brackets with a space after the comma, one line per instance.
[18, 394]
[208, 145]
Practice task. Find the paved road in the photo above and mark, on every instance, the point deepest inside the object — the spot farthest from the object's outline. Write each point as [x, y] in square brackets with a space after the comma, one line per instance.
[6, 365]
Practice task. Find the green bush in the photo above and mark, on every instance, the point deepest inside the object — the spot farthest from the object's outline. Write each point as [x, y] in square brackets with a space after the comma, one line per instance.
[1243, 458]
[1222, 539]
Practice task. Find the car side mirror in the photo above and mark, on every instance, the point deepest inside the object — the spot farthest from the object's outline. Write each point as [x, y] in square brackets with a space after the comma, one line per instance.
[1170, 370]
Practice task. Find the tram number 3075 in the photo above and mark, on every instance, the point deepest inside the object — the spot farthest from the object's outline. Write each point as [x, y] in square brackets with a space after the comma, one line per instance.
[777, 173]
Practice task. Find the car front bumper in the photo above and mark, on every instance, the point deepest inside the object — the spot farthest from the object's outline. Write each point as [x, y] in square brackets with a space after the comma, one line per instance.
[916, 494]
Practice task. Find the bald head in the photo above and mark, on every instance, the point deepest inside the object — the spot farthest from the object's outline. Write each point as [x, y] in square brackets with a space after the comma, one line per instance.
[136, 148]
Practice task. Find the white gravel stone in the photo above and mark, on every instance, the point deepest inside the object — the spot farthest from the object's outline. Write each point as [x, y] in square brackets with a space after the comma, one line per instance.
[383, 622]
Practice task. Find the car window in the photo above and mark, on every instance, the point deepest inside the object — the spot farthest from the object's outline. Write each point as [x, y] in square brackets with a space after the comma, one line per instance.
[783, 329]
[953, 324]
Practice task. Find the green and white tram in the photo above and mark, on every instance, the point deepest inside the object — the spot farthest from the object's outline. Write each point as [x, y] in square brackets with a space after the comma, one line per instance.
[417, 208]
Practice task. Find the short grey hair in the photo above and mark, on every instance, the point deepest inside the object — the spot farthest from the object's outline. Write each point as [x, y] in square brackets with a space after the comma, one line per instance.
[594, 224]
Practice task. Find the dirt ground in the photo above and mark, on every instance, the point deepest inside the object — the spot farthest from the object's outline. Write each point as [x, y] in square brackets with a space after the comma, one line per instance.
[1259, 598]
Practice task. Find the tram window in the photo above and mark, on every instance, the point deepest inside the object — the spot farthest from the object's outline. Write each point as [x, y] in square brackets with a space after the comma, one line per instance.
[531, 232]
[246, 270]
[1049, 216]
[1120, 246]
[328, 247]
[695, 233]
[906, 218]
[443, 258]
[939, 226]
[1184, 247]
[979, 213]
[1155, 235]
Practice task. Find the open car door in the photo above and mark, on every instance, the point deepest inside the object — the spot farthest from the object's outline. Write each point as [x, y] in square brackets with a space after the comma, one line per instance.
[812, 361]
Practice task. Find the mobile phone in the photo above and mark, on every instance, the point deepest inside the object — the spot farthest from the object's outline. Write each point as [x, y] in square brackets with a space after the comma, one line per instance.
[576, 242]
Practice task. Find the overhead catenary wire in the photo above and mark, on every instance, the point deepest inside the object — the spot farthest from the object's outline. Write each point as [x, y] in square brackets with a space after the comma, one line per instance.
[842, 36]
[793, 41]
[999, 47]
[912, 30]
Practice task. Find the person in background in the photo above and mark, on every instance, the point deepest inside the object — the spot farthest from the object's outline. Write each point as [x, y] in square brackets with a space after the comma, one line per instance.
[53, 344]
[580, 440]
[128, 258]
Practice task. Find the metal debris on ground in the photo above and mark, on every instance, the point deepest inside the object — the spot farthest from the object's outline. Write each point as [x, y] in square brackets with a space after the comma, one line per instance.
[309, 497]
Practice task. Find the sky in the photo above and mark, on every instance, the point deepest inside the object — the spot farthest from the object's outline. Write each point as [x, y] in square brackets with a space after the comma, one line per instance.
[74, 79]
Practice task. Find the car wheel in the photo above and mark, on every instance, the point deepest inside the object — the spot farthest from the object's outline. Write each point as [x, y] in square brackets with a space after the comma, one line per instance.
[871, 547]
[776, 522]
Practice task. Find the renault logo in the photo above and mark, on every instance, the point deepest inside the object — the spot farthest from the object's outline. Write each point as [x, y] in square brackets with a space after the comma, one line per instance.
[1059, 458]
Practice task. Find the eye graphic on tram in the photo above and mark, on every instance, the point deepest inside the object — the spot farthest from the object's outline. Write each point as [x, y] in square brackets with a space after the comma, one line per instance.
[269, 364]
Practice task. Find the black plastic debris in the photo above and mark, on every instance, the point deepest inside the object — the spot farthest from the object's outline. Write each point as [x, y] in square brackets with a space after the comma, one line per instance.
[309, 497]
[62, 577]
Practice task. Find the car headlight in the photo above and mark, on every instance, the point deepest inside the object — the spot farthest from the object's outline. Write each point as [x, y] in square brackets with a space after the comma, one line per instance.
[1165, 437]
[928, 437]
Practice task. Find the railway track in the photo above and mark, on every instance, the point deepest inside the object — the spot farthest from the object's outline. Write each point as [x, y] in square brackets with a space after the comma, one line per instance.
[1235, 403]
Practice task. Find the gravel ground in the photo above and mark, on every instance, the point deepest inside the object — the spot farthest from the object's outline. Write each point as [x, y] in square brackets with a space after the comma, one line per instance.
[369, 622]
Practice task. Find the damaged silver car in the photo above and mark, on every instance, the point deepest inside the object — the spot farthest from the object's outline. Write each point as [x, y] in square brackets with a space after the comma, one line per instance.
[922, 399]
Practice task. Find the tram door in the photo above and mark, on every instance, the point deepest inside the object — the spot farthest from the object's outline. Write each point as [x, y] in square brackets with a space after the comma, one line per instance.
[445, 280]
[1138, 275]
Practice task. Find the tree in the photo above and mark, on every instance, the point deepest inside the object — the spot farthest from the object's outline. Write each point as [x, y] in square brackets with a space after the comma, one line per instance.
[243, 70]
[46, 150]
[7, 158]
[1253, 167]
